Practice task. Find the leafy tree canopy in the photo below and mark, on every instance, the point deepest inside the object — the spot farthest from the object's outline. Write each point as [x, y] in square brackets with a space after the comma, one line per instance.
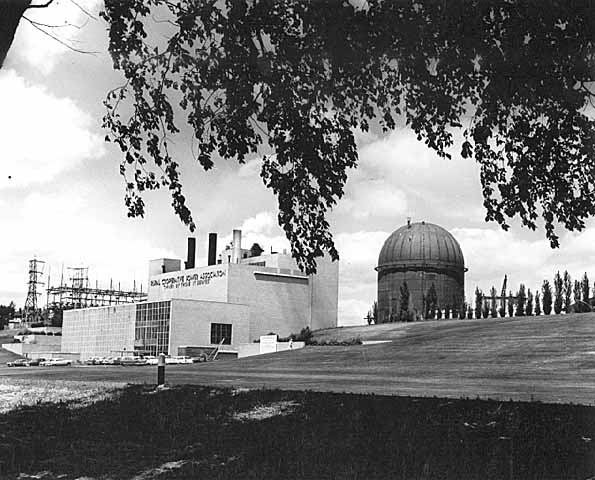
[298, 77]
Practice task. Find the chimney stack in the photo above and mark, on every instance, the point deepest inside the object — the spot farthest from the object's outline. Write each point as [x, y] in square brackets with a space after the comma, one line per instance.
[191, 253]
[237, 246]
[212, 249]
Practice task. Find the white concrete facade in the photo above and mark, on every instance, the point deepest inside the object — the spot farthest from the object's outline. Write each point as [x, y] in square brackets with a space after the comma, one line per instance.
[244, 300]
[281, 298]
[192, 321]
[99, 331]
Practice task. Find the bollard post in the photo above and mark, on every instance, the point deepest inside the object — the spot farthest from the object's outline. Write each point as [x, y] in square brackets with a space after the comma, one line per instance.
[161, 369]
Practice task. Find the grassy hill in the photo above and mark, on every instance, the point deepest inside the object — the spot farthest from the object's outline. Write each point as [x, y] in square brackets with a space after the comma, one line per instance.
[547, 358]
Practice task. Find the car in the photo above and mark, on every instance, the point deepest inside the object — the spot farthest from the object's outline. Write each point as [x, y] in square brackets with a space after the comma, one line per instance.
[151, 360]
[109, 361]
[56, 362]
[34, 362]
[132, 361]
[21, 362]
[177, 360]
[184, 359]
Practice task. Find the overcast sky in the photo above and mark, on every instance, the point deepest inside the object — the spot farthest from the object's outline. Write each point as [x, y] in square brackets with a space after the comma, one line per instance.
[61, 195]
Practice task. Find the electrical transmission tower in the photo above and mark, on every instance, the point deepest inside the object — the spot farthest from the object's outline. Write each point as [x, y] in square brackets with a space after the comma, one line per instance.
[35, 272]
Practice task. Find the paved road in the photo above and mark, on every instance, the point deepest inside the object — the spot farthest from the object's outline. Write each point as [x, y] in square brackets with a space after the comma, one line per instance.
[546, 359]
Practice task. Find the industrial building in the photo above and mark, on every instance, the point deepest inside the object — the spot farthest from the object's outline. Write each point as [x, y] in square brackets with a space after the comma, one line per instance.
[421, 254]
[237, 297]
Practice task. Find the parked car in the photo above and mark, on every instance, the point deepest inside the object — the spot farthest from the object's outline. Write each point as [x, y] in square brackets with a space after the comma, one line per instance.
[109, 361]
[151, 360]
[132, 361]
[56, 362]
[21, 362]
[177, 360]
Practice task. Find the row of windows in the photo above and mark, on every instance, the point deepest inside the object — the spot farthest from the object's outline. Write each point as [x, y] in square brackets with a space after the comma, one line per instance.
[151, 329]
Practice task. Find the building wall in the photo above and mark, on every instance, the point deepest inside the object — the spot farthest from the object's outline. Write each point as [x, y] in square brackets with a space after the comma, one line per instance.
[325, 294]
[284, 303]
[191, 323]
[201, 283]
[448, 290]
[100, 331]
[280, 302]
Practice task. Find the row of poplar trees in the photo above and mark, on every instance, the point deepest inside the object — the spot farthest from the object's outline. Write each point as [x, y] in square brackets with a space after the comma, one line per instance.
[565, 295]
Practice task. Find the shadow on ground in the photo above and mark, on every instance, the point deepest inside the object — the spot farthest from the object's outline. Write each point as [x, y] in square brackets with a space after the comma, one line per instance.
[202, 432]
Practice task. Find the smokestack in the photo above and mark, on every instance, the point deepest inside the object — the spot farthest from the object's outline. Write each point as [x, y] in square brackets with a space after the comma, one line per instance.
[212, 249]
[191, 253]
[237, 246]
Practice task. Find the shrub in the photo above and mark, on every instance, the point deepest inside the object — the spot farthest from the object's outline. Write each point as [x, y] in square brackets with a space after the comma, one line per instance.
[336, 343]
[305, 336]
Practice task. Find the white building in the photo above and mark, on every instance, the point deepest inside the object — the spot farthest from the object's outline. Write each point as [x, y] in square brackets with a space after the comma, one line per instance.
[235, 299]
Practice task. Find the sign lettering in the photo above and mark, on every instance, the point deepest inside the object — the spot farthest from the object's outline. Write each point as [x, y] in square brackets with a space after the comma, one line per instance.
[194, 280]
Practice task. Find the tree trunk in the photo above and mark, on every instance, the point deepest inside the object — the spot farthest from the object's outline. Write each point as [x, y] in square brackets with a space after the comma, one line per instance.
[11, 12]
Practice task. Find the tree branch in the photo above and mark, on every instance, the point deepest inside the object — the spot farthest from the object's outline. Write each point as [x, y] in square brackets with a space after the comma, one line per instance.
[34, 24]
[83, 10]
[43, 5]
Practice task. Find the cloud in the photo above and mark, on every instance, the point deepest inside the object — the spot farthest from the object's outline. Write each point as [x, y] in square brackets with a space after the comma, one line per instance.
[41, 51]
[261, 228]
[60, 231]
[357, 278]
[373, 199]
[42, 135]
[492, 253]
[251, 168]
[398, 176]
[263, 223]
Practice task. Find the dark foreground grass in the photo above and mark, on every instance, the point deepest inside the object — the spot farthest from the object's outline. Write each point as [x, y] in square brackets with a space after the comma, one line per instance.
[315, 436]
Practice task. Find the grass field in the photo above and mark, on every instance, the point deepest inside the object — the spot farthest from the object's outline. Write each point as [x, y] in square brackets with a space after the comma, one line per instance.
[22, 393]
[104, 431]
[547, 358]
[192, 432]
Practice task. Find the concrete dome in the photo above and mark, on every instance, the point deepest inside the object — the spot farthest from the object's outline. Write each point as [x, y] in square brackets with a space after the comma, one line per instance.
[421, 244]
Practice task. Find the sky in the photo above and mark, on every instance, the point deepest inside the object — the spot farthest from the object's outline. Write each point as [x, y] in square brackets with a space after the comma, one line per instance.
[61, 195]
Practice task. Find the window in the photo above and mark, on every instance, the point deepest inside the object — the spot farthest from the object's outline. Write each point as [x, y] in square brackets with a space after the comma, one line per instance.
[221, 331]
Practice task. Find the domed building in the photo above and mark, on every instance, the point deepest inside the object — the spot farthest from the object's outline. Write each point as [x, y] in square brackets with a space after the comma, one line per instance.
[420, 254]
